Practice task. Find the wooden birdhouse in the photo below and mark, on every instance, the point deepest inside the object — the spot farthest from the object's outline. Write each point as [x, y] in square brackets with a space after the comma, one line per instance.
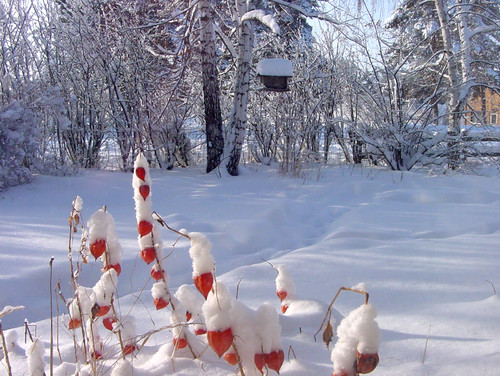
[274, 74]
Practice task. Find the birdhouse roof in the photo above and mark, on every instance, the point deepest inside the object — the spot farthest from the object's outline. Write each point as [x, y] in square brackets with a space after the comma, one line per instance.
[275, 67]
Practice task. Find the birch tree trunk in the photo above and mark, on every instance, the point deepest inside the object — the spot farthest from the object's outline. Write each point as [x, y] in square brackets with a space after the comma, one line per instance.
[211, 92]
[238, 120]
[458, 67]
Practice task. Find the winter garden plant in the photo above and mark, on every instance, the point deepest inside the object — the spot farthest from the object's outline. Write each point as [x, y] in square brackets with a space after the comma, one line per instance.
[206, 321]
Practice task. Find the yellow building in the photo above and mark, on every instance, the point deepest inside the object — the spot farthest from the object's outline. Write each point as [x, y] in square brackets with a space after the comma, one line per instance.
[483, 108]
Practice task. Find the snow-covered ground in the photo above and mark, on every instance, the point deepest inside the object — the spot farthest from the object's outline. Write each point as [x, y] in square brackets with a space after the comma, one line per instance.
[426, 247]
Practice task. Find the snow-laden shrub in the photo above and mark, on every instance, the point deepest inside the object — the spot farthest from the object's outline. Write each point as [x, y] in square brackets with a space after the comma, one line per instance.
[19, 140]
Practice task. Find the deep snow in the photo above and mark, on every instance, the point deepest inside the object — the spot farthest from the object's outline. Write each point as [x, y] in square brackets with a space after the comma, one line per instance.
[425, 246]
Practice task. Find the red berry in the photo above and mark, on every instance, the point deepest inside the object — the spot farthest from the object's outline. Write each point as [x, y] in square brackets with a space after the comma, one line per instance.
[117, 267]
[259, 361]
[281, 294]
[144, 228]
[188, 316]
[98, 247]
[148, 255]
[96, 355]
[231, 358]
[144, 191]
[74, 323]
[200, 331]
[366, 363]
[274, 360]
[160, 303]
[220, 341]
[103, 310]
[156, 273]
[108, 323]
[204, 283]
[140, 172]
[129, 349]
[180, 343]
[284, 307]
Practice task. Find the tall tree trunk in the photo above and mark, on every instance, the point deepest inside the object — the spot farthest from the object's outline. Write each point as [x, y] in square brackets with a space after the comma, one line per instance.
[459, 74]
[213, 116]
[238, 120]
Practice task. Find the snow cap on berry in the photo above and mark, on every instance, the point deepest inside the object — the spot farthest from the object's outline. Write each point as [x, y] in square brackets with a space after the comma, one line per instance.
[284, 281]
[200, 252]
[268, 328]
[217, 308]
[160, 290]
[105, 288]
[191, 299]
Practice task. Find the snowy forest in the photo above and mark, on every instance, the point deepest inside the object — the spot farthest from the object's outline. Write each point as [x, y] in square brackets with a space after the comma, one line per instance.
[90, 84]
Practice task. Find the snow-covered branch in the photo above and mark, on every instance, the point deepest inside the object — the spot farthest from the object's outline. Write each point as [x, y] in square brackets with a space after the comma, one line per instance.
[319, 15]
[266, 19]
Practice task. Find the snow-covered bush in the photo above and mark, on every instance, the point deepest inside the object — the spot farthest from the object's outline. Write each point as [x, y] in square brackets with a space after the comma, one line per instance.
[19, 141]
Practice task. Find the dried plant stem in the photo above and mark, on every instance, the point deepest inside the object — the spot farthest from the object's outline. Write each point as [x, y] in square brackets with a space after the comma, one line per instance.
[240, 365]
[5, 352]
[328, 311]
[120, 339]
[493, 287]
[27, 331]
[51, 321]
[74, 214]
[160, 220]
[57, 327]
[291, 350]
[93, 359]
[426, 342]
[164, 224]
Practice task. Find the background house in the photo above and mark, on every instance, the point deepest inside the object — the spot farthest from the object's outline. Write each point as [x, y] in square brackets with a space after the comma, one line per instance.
[484, 107]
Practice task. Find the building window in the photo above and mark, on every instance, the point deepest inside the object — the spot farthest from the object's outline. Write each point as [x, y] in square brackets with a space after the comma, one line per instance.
[493, 119]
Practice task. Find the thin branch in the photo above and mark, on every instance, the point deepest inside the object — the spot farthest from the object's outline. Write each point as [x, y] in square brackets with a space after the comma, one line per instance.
[328, 311]
[160, 220]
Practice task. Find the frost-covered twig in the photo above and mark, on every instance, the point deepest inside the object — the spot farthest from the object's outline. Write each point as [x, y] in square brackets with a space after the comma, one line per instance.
[7, 310]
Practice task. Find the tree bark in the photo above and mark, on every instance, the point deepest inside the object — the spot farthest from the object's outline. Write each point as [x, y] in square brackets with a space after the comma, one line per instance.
[459, 86]
[211, 92]
[238, 120]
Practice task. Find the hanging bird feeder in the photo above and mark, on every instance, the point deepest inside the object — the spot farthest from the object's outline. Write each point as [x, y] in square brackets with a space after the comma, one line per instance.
[274, 74]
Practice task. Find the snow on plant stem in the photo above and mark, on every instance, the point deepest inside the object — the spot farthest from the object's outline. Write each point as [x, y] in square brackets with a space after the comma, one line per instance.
[251, 338]
[218, 319]
[35, 354]
[79, 307]
[104, 289]
[203, 262]
[103, 240]
[193, 302]
[149, 235]
[358, 342]
[285, 288]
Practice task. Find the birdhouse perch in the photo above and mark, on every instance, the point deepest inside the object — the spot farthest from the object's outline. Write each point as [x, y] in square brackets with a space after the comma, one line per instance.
[274, 74]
